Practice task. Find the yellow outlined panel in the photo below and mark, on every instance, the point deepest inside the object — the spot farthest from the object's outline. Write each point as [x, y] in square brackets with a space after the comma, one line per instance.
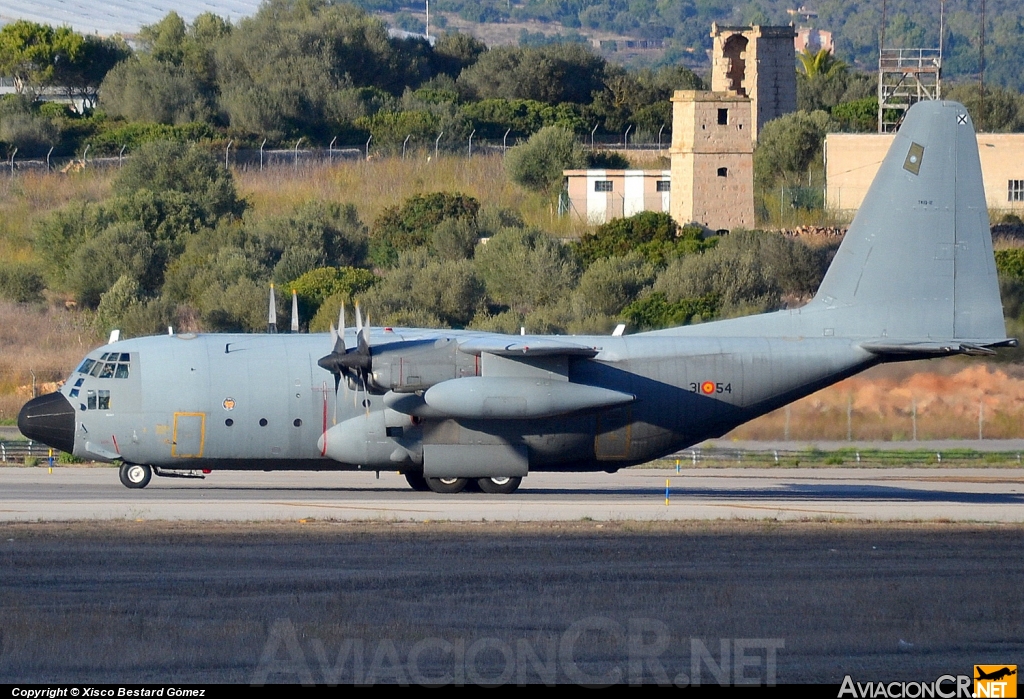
[189, 435]
[614, 434]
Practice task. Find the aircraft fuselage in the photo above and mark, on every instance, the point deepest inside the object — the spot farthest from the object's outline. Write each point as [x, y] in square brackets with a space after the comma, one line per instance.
[261, 401]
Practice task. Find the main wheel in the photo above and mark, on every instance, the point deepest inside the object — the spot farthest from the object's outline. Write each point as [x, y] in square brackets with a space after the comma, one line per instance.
[135, 475]
[502, 485]
[447, 485]
[417, 482]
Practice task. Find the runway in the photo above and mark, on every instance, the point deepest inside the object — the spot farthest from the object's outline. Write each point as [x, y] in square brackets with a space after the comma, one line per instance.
[856, 494]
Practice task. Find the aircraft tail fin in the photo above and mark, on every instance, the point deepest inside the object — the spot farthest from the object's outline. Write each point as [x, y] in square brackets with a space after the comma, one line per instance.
[917, 262]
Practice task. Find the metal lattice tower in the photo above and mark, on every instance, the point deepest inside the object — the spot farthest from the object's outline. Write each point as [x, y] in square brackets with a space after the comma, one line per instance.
[905, 77]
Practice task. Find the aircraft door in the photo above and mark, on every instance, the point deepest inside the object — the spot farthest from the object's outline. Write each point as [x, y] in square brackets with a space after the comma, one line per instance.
[189, 435]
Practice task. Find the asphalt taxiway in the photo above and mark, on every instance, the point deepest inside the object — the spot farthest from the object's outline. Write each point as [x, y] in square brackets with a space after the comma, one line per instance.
[868, 494]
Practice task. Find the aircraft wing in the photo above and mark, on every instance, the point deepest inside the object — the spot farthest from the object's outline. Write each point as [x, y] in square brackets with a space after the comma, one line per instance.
[526, 346]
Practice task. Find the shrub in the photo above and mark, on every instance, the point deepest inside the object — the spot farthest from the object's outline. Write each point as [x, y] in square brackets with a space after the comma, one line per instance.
[411, 224]
[538, 163]
[654, 311]
[653, 235]
[20, 282]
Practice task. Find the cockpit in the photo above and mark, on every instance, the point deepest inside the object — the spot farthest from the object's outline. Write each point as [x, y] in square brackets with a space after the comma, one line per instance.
[110, 365]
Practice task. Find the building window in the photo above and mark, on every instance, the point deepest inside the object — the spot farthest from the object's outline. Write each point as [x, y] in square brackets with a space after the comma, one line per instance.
[723, 172]
[603, 186]
[723, 117]
[663, 185]
[1016, 190]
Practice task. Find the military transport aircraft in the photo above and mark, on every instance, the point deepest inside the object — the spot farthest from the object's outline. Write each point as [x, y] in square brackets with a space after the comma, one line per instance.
[914, 278]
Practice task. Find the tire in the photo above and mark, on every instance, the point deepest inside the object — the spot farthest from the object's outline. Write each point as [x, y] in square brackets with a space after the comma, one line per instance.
[417, 482]
[447, 485]
[135, 475]
[501, 485]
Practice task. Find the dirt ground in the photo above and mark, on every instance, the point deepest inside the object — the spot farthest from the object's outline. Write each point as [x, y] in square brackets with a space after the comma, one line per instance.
[948, 399]
[447, 603]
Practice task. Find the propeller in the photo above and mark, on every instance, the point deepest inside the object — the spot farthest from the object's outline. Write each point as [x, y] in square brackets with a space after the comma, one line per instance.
[351, 363]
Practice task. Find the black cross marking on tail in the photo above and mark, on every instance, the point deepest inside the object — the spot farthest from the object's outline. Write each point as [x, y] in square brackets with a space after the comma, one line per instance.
[961, 119]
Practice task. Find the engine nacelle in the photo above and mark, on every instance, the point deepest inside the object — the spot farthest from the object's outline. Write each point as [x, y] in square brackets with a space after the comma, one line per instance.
[416, 365]
[383, 439]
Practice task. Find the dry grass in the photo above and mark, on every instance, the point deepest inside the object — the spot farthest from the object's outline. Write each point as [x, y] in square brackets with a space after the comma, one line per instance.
[947, 395]
[31, 195]
[48, 343]
[375, 184]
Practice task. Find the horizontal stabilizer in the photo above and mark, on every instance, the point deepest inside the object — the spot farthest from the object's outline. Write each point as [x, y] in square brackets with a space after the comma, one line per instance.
[935, 349]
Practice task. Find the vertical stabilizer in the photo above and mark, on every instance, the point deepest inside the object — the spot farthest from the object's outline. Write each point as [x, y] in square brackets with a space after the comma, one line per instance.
[917, 262]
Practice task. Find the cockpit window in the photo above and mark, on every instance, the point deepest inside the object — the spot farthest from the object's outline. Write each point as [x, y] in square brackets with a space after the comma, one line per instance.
[110, 365]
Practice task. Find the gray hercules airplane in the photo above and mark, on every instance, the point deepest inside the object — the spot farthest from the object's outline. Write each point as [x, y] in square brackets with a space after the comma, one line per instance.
[914, 278]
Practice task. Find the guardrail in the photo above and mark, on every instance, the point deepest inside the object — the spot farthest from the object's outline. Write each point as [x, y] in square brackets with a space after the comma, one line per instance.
[17, 451]
[724, 456]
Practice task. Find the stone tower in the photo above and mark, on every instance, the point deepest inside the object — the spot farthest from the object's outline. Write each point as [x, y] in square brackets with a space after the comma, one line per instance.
[759, 63]
[712, 160]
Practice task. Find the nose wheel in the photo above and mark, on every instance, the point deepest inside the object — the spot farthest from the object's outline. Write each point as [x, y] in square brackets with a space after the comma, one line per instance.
[135, 475]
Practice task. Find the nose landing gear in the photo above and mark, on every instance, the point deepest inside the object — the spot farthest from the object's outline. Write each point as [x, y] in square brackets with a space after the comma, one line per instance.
[135, 475]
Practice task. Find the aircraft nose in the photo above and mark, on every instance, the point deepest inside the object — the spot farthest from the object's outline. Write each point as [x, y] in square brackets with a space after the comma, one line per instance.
[49, 419]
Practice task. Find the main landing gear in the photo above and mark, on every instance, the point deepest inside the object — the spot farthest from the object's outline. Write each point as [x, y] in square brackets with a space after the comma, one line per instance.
[135, 475]
[501, 485]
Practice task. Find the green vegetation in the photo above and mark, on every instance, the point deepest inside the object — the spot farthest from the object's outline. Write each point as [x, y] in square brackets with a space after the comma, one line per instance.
[314, 70]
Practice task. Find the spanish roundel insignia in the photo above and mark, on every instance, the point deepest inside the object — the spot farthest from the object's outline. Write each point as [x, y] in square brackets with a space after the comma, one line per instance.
[708, 387]
[229, 404]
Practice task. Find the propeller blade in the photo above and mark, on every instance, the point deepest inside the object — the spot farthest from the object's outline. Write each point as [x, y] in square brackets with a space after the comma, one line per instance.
[295, 312]
[359, 319]
[272, 315]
